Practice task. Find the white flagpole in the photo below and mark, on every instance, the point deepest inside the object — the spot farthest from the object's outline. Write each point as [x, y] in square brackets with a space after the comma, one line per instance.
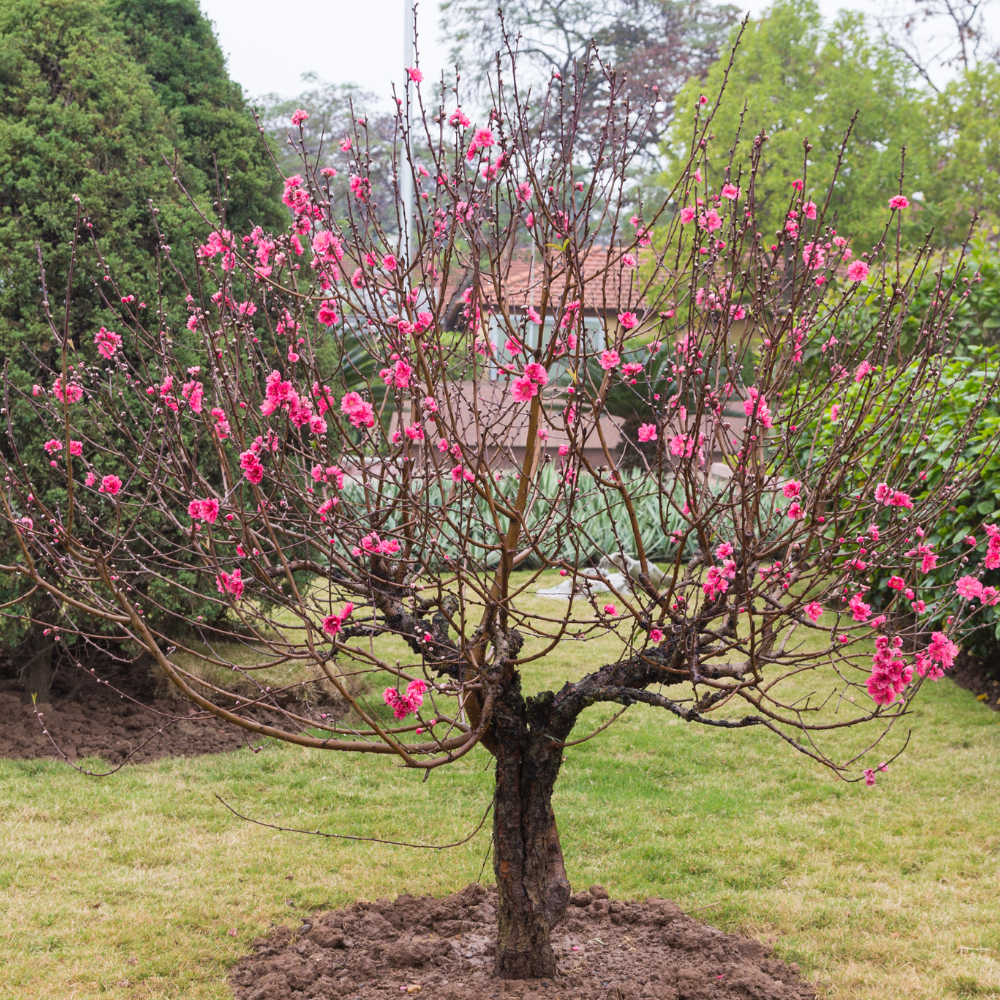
[405, 173]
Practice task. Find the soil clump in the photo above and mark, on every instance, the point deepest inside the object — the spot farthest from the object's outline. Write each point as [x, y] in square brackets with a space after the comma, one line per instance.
[442, 949]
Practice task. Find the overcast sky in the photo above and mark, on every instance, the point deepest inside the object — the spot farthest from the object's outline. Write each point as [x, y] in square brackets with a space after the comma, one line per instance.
[360, 41]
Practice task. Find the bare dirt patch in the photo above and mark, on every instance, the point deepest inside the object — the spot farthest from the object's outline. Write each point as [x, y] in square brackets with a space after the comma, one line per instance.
[98, 722]
[121, 713]
[443, 949]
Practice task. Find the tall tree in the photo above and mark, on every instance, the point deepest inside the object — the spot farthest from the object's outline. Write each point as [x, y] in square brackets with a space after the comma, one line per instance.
[649, 43]
[802, 82]
[97, 98]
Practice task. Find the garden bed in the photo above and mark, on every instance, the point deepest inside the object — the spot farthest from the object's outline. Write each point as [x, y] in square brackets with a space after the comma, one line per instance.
[443, 949]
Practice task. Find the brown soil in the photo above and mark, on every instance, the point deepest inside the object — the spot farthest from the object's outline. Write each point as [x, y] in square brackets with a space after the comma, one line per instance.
[442, 949]
[980, 675]
[123, 714]
[98, 722]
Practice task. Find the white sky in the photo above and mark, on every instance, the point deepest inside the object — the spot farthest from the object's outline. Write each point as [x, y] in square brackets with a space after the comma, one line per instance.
[353, 41]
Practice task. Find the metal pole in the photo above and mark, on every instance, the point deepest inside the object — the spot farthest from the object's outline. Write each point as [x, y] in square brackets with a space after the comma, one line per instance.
[405, 172]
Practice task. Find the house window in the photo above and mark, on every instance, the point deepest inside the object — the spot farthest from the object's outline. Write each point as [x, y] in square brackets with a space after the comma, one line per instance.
[593, 330]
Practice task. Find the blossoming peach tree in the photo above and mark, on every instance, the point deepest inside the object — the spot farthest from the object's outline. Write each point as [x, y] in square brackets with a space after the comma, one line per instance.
[371, 437]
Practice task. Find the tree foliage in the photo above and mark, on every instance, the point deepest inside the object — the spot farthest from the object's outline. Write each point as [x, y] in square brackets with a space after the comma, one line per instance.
[97, 101]
[801, 82]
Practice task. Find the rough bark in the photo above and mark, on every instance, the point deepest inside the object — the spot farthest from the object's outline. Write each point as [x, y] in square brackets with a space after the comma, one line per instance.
[527, 855]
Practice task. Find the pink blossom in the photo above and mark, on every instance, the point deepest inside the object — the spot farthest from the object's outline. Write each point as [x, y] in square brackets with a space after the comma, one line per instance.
[332, 623]
[523, 388]
[756, 405]
[795, 511]
[76, 448]
[632, 368]
[928, 559]
[809, 210]
[359, 412]
[857, 270]
[890, 674]
[459, 118]
[110, 485]
[403, 704]
[681, 446]
[730, 192]
[298, 117]
[628, 320]
[814, 610]
[74, 392]
[937, 658]
[869, 776]
[859, 609]
[53, 445]
[897, 582]
[724, 551]
[537, 373]
[610, 610]
[647, 432]
[711, 221]
[969, 587]
[609, 360]
[629, 260]
[415, 74]
[533, 315]
[899, 201]
[230, 583]
[107, 342]
[792, 489]
[687, 214]
[193, 393]
[204, 510]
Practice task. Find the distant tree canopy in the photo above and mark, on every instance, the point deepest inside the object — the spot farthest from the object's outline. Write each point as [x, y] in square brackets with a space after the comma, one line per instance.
[801, 80]
[96, 96]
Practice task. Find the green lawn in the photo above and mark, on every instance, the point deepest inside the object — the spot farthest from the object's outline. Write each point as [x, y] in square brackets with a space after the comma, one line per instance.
[885, 892]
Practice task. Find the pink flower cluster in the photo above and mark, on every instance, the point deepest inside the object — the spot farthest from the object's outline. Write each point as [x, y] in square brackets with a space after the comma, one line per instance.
[992, 560]
[890, 673]
[528, 384]
[74, 392]
[107, 342]
[359, 412]
[970, 588]
[374, 545]
[403, 704]
[204, 510]
[892, 498]
[230, 583]
[937, 658]
[332, 623]
[756, 405]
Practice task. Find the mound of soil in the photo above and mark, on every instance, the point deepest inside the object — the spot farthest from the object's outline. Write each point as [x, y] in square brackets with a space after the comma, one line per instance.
[980, 675]
[98, 722]
[443, 949]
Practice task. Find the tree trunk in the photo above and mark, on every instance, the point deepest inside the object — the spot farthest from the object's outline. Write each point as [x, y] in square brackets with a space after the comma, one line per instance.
[527, 856]
[38, 671]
